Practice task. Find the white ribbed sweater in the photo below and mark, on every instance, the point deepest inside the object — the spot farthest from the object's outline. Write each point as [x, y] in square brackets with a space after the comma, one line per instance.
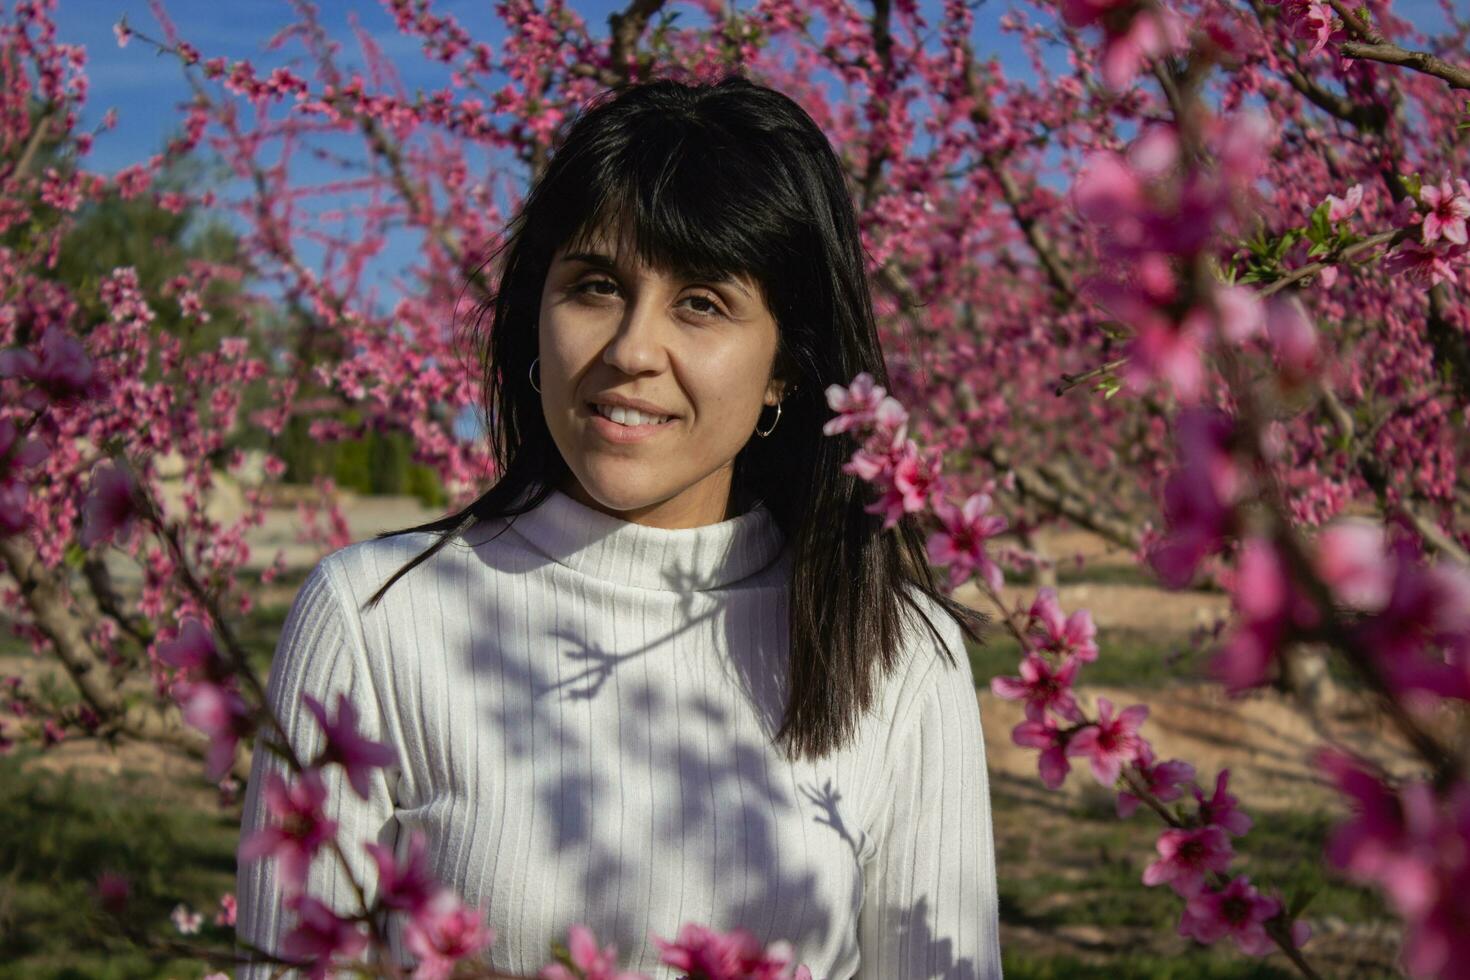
[582, 709]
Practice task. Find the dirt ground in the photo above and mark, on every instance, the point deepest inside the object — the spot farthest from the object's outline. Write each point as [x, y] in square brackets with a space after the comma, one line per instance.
[1263, 739]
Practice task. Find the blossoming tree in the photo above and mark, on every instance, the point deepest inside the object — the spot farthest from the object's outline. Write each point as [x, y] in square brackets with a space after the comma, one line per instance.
[1196, 293]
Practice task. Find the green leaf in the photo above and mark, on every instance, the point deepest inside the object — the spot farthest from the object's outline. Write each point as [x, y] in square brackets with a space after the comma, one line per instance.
[1299, 902]
[1320, 228]
[74, 555]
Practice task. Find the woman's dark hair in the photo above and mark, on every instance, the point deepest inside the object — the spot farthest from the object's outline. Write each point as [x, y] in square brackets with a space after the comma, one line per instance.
[726, 178]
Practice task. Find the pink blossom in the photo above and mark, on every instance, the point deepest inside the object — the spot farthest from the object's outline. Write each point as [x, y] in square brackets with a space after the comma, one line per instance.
[443, 932]
[868, 466]
[1237, 911]
[1422, 636]
[1074, 636]
[1339, 208]
[1220, 809]
[113, 891]
[1241, 312]
[1310, 20]
[1390, 838]
[1293, 339]
[1351, 558]
[319, 935]
[906, 485]
[591, 962]
[961, 543]
[410, 885]
[1271, 611]
[1424, 266]
[185, 920]
[1127, 40]
[1447, 211]
[1052, 765]
[221, 714]
[1109, 193]
[1437, 941]
[1111, 743]
[132, 181]
[358, 755]
[15, 454]
[1153, 33]
[302, 828]
[1164, 780]
[1155, 152]
[193, 649]
[713, 955]
[855, 404]
[226, 914]
[122, 32]
[60, 369]
[890, 425]
[111, 508]
[1041, 687]
[1186, 855]
[1171, 352]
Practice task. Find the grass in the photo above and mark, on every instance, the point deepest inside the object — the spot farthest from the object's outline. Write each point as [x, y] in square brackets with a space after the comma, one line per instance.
[1068, 573]
[61, 832]
[1190, 966]
[1126, 657]
[1084, 867]
[1100, 871]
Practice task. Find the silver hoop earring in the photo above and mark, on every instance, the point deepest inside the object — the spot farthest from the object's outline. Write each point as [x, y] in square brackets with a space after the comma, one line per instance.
[530, 372]
[773, 423]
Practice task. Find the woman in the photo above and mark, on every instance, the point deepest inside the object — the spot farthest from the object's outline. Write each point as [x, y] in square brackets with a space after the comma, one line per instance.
[667, 669]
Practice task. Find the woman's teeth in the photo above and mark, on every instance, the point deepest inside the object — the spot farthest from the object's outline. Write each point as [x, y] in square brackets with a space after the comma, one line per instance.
[628, 416]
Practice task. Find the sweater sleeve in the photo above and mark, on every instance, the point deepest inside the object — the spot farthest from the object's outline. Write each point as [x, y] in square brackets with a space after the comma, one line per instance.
[320, 653]
[929, 908]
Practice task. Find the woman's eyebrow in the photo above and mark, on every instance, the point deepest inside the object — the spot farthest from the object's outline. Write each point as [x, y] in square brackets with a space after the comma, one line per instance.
[601, 261]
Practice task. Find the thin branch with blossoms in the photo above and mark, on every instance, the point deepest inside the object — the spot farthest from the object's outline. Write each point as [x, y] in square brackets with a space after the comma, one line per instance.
[1054, 648]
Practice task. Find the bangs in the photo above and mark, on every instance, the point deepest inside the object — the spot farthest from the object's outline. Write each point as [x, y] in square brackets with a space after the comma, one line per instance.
[678, 200]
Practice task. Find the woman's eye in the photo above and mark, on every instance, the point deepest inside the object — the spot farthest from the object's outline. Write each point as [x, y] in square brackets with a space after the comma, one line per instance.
[711, 308]
[587, 285]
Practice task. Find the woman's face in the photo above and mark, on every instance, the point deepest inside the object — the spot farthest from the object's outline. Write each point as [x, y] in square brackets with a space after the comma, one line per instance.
[699, 352]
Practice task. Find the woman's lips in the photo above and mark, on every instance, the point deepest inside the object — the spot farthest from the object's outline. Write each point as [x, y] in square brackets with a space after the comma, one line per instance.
[625, 434]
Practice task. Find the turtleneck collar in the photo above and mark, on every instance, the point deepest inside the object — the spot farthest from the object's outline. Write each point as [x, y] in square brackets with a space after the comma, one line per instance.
[691, 559]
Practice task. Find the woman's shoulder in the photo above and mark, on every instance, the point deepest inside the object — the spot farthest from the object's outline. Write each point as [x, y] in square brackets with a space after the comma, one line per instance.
[930, 661]
[362, 567]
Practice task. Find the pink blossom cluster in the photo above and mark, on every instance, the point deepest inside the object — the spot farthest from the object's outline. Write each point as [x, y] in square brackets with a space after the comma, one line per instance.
[1311, 20]
[1412, 840]
[1411, 616]
[887, 457]
[1441, 214]
[1157, 209]
[1195, 852]
[1134, 33]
